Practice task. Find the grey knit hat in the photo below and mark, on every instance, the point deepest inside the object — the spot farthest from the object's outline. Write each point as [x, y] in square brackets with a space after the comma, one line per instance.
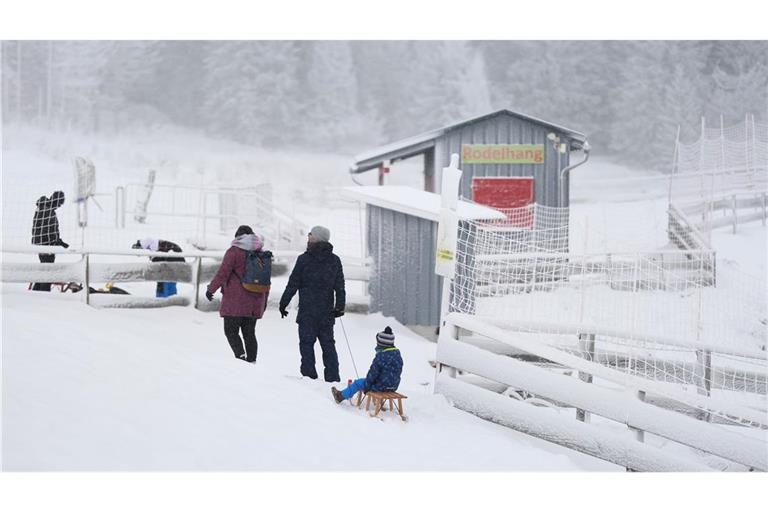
[385, 339]
[321, 233]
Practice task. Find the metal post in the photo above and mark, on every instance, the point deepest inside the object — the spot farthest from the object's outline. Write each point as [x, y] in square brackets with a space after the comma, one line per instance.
[119, 206]
[587, 348]
[764, 212]
[733, 207]
[703, 357]
[87, 279]
[205, 217]
[198, 271]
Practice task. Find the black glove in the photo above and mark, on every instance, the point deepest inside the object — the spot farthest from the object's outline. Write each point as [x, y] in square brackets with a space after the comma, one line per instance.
[208, 295]
[338, 312]
[283, 312]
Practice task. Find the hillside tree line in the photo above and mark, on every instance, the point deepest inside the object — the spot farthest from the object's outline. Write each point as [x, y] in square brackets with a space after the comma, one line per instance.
[346, 96]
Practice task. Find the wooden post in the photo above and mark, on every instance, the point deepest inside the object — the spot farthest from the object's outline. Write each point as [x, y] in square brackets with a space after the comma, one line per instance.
[639, 434]
[429, 170]
[704, 384]
[587, 348]
[383, 169]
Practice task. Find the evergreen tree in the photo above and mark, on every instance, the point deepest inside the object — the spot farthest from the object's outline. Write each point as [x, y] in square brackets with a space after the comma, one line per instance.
[252, 93]
[78, 75]
[178, 81]
[330, 115]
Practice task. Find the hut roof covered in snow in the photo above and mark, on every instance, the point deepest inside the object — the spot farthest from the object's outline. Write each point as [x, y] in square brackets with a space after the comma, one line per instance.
[418, 144]
[419, 203]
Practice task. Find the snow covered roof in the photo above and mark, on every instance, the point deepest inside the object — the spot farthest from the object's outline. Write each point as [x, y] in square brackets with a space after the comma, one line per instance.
[417, 144]
[411, 201]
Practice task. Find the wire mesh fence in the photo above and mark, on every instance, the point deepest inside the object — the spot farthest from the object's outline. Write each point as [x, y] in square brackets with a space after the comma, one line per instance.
[674, 317]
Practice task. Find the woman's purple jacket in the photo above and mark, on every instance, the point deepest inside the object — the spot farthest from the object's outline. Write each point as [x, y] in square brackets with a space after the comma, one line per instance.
[236, 300]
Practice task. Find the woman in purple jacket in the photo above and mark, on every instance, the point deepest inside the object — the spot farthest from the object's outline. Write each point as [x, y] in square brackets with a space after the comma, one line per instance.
[239, 307]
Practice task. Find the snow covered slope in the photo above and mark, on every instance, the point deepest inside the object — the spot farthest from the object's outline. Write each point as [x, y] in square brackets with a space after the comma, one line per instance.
[158, 389]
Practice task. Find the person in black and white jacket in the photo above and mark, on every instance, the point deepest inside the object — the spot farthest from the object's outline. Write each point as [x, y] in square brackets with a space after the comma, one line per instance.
[45, 230]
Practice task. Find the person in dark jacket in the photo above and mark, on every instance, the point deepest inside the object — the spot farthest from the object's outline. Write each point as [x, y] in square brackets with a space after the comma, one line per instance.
[240, 308]
[317, 276]
[45, 230]
[384, 373]
[164, 288]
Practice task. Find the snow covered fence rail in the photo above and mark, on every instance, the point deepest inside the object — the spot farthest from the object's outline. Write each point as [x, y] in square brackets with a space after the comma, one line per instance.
[89, 270]
[735, 209]
[617, 405]
[572, 434]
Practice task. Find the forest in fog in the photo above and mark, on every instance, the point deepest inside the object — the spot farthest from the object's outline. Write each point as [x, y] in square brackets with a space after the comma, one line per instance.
[345, 96]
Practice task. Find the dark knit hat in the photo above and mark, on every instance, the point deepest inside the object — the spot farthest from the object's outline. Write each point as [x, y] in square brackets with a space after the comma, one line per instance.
[385, 339]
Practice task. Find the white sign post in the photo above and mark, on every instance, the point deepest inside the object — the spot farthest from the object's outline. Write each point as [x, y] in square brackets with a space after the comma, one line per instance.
[447, 237]
[448, 225]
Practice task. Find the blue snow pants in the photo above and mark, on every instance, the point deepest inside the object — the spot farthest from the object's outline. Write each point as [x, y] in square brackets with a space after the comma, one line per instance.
[353, 388]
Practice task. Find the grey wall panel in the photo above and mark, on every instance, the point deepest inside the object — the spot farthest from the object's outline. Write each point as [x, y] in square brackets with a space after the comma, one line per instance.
[504, 130]
[403, 283]
[373, 216]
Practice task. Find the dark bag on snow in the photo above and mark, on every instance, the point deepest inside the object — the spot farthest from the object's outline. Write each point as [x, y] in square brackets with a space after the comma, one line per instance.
[258, 271]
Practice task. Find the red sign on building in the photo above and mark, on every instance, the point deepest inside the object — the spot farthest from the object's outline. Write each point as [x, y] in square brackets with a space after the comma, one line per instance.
[508, 194]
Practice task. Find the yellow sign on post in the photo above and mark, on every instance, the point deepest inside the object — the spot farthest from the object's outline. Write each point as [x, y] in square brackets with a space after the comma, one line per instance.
[502, 153]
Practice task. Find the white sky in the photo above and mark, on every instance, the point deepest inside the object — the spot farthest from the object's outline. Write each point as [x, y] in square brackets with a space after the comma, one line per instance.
[390, 19]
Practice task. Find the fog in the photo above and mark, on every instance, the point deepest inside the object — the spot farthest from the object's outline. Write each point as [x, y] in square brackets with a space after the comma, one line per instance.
[346, 96]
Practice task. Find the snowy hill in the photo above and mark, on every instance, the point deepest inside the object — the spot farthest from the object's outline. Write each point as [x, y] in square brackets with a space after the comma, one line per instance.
[158, 389]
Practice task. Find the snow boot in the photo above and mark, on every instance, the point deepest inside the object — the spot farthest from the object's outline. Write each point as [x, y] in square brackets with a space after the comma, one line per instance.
[337, 395]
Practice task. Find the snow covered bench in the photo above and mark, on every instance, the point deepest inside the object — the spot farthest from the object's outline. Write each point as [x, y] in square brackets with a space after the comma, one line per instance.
[379, 398]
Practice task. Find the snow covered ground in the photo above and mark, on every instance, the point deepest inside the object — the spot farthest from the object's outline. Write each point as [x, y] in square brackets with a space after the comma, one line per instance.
[158, 389]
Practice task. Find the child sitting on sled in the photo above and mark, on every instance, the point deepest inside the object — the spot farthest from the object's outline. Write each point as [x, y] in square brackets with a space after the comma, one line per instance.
[384, 374]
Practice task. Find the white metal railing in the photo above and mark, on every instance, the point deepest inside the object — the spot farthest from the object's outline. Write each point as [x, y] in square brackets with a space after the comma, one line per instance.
[206, 211]
[734, 209]
[88, 271]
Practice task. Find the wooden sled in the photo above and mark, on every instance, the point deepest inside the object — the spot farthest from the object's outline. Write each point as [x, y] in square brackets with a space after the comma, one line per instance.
[379, 400]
